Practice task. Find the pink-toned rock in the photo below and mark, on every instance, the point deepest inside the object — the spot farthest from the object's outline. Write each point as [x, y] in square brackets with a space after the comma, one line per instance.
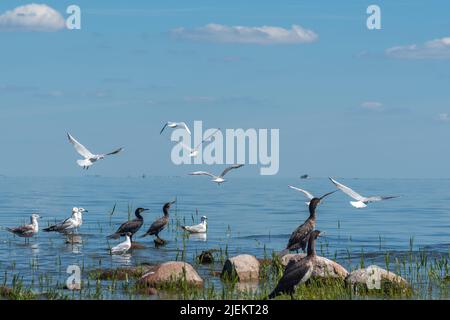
[244, 266]
[373, 277]
[170, 272]
[323, 267]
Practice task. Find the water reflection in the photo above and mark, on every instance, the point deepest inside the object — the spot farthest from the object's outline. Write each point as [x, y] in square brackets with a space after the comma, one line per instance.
[198, 236]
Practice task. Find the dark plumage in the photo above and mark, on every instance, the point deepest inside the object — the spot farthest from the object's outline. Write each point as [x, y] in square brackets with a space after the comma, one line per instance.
[161, 223]
[299, 238]
[131, 226]
[28, 230]
[297, 271]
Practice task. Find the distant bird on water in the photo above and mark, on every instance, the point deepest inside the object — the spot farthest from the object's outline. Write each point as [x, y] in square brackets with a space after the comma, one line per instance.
[68, 224]
[174, 125]
[194, 152]
[160, 224]
[217, 179]
[131, 226]
[309, 195]
[27, 230]
[89, 158]
[199, 228]
[297, 271]
[361, 202]
[123, 247]
[299, 238]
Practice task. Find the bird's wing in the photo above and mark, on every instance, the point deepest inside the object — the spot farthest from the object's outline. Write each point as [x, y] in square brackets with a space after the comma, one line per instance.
[129, 226]
[301, 234]
[114, 152]
[80, 148]
[229, 169]
[184, 125]
[348, 191]
[307, 194]
[195, 228]
[292, 277]
[163, 128]
[121, 247]
[380, 198]
[23, 229]
[207, 139]
[202, 173]
[156, 226]
[187, 148]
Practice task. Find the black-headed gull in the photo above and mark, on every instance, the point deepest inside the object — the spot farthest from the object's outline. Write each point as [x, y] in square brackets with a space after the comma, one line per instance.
[89, 157]
[174, 125]
[198, 228]
[217, 179]
[27, 230]
[361, 201]
[123, 247]
[194, 152]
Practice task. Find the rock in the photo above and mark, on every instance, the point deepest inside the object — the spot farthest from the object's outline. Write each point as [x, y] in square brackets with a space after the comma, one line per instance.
[323, 267]
[206, 257]
[171, 272]
[245, 267]
[374, 277]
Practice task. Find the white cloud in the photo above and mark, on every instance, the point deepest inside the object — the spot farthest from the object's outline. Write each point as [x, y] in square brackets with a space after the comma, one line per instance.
[372, 106]
[252, 35]
[444, 117]
[32, 17]
[434, 49]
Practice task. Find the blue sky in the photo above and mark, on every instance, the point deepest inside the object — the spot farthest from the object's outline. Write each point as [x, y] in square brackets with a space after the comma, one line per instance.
[348, 101]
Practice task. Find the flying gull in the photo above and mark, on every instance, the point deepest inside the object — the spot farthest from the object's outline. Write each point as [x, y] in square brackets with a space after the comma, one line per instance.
[217, 179]
[89, 158]
[174, 125]
[306, 193]
[361, 202]
[194, 152]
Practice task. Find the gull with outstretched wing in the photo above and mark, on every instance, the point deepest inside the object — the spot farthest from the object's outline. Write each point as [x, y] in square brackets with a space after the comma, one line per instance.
[89, 157]
[194, 152]
[175, 125]
[217, 179]
[309, 195]
[361, 201]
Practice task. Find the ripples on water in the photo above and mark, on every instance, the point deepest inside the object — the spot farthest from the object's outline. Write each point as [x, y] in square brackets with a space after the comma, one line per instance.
[254, 215]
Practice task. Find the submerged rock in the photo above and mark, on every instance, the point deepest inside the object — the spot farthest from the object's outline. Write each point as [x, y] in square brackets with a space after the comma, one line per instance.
[245, 267]
[323, 267]
[171, 272]
[374, 277]
[121, 273]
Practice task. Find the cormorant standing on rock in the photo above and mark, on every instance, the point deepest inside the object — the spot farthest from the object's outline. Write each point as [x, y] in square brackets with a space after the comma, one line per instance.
[297, 271]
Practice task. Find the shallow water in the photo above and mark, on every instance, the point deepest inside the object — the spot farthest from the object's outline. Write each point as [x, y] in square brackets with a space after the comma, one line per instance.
[245, 215]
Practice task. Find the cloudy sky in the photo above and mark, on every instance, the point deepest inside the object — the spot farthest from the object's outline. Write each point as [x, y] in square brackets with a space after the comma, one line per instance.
[349, 102]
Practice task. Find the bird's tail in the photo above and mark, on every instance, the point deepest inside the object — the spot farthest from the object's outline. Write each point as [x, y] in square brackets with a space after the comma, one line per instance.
[9, 230]
[114, 236]
[183, 227]
[50, 229]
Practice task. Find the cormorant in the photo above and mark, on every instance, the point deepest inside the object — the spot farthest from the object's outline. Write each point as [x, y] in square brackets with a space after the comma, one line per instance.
[299, 238]
[160, 224]
[131, 226]
[297, 271]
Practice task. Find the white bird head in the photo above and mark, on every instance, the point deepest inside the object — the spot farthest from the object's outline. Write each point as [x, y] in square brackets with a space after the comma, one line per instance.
[35, 216]
[204, 218]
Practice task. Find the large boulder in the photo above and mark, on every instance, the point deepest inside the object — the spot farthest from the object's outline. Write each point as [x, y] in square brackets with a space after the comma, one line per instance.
[245, 267]
[374, 277]
[171, 272]
[323, 267]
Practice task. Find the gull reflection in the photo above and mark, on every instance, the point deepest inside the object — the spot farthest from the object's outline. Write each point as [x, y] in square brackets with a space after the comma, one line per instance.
[198, 236]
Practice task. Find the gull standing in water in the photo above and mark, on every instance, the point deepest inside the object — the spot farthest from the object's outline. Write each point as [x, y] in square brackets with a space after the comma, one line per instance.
[306, 193]
[199, 228]
[28, 230]
[160, 224]
[194, 152]
[130, 226]
[361, 202]
[174, 125]
[124, 246]
[89, 158]
[298, 271]
[217, 179]
[68, 224]
[299, 238]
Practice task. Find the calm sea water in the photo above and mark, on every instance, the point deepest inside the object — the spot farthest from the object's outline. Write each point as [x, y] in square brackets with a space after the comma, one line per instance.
[246, 215]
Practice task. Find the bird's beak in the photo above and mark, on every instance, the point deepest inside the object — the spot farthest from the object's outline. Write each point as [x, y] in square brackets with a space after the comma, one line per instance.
[172, 202]
[322, 234]
[326, 195]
